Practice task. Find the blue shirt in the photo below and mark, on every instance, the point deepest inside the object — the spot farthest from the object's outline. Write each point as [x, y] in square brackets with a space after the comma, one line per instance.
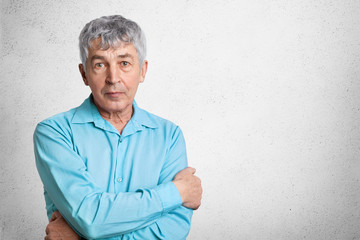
[112, 185]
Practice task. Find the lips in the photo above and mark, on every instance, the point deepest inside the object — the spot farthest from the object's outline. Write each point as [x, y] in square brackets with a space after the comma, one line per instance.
[114, 94]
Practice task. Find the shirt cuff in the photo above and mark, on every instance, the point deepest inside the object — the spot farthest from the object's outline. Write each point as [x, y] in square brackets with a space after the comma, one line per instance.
[169, 196]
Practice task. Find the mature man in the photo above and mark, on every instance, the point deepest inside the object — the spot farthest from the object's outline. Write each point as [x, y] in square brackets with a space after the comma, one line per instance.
[109, 168]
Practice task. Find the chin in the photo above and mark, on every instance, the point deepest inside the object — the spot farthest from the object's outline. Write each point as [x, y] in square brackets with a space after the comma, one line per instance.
[119, 106]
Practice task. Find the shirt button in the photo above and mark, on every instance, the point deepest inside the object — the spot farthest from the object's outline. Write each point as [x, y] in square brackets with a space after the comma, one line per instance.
[120, 179]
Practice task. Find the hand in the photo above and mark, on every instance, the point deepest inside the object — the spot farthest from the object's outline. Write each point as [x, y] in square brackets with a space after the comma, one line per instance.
[59, 229]
[189, 187]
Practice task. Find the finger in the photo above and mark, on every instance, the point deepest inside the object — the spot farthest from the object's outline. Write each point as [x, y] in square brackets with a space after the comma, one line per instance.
[53, 217]
[57, 214]
[191, 170]
[185, 172]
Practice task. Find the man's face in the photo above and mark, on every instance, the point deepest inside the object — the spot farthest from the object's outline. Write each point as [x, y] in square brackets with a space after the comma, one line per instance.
[113, 76]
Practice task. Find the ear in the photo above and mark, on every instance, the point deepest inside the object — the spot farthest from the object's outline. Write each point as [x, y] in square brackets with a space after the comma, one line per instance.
[143, 71]
[83, 74]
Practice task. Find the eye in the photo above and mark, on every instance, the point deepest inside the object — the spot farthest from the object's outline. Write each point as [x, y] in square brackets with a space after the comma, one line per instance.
[99, 65]
[125, 63]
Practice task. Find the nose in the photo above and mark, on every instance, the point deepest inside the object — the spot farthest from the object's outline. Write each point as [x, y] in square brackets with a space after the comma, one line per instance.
[113, 75]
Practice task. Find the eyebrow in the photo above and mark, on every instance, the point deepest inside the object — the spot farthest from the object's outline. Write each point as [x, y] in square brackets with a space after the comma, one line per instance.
[97, 57]
[126, 55]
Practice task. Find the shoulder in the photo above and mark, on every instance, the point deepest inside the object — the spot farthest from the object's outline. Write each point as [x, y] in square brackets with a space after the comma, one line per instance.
[60, 119]
[56, 125]
[163, 128]
[82, 113]
[154, 121]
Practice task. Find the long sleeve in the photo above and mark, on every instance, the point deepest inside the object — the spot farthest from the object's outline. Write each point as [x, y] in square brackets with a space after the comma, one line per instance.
[87, 208]
[174, 225]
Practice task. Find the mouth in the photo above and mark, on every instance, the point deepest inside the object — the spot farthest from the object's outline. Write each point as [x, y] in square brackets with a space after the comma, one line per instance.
[114, 94]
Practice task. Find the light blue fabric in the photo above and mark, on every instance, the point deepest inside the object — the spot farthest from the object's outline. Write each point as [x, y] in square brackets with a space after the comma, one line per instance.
[108, 185]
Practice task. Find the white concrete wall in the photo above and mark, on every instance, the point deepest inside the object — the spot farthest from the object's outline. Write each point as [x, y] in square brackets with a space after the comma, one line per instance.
[266, 92]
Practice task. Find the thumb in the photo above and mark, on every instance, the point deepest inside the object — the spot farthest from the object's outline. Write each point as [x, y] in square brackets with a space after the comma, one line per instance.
[191, 170]
[55, 216]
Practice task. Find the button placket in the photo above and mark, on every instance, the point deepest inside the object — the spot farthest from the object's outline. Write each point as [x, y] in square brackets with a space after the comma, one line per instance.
[119, 172]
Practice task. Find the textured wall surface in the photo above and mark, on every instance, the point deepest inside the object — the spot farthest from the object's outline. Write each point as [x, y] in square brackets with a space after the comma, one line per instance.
[266, 92]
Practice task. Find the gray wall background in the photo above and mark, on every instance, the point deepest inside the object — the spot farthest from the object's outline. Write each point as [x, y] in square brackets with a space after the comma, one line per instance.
[266, 93]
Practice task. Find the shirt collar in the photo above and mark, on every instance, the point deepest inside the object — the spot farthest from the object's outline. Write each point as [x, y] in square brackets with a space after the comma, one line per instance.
[143, 118]
[88, 112]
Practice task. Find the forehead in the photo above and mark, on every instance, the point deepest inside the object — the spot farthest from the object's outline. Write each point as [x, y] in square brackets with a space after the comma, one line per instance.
[119, 48]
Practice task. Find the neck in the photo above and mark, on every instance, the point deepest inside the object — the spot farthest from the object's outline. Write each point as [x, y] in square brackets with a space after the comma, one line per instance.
[117, 119]
[117, 116]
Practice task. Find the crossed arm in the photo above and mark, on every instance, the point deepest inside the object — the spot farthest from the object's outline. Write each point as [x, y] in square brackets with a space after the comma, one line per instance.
[58, 228]
[134, 215]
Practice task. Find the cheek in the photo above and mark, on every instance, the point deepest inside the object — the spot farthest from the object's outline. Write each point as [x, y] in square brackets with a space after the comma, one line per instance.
[133, 87]
[96, 87]
[134, 81]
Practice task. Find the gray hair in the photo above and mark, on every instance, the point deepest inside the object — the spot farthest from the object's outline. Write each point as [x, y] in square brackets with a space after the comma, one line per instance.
[113, 30]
